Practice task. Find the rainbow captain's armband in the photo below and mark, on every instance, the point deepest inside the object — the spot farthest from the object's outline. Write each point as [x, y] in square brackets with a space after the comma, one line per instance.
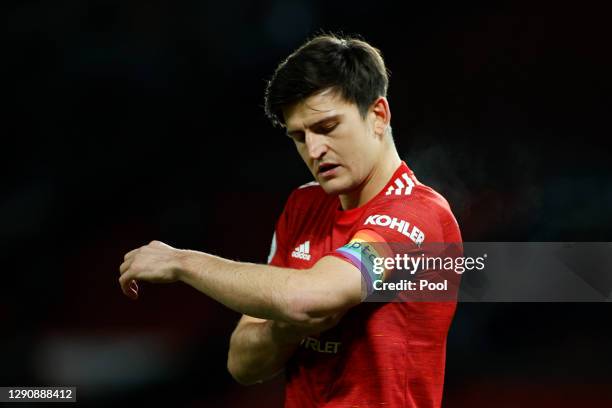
[362, 251]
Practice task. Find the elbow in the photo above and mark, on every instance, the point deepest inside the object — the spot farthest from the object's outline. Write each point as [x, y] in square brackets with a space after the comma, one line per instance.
[313, 300]
[300, 312]
[311, 308]
[239, 374]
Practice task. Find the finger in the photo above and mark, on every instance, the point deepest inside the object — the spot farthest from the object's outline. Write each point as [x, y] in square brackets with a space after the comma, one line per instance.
[130, 254]
[124, 281]
[122, 284]
[134, 288]
[123, 268]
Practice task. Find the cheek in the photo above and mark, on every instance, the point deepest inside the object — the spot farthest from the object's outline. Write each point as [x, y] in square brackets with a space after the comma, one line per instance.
[362, 154]
[301, 149]
[360, 149]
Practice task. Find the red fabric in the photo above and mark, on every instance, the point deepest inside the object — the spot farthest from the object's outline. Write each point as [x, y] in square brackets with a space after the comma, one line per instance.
[380, 354]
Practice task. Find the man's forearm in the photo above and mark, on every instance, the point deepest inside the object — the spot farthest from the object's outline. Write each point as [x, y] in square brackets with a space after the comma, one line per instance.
[301, 297]
[259, 350]
[262, 291]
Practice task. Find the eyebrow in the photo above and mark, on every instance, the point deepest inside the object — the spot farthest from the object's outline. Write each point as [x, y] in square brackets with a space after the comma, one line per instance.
[317, 123]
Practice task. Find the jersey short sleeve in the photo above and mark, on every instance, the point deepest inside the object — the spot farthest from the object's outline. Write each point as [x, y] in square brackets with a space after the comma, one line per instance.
[391, 228]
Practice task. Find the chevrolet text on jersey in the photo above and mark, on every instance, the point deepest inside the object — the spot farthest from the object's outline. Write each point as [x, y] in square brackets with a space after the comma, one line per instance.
[415, 234]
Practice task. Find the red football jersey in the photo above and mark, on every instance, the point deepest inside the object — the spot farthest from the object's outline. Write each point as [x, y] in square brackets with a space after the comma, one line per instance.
[379, 354]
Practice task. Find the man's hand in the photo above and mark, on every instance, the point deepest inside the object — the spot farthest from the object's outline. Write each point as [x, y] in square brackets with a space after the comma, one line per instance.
[155, 262]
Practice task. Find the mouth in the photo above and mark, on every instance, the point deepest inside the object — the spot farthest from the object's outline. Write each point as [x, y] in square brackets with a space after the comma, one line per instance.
[327, 169]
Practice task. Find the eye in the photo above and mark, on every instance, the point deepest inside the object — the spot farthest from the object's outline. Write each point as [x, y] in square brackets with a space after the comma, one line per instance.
[298, 137]
[327, 128]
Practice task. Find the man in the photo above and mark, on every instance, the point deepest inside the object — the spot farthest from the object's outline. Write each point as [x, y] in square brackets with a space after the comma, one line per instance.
[304, 312]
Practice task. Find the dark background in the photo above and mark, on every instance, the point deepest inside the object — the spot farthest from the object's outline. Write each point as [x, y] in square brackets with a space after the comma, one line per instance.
[127, 121]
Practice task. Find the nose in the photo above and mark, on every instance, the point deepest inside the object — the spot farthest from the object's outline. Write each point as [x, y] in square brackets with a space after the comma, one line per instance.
[316, 145]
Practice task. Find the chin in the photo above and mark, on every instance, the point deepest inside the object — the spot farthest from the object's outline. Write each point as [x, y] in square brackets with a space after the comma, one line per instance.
[335, 187]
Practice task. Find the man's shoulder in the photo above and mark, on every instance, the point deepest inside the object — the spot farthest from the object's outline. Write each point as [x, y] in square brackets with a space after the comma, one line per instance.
[415, 197]
[422, 206]
[306, 197]
[307, 192]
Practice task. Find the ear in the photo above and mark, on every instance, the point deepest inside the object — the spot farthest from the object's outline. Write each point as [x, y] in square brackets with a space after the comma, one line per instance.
[382, 115]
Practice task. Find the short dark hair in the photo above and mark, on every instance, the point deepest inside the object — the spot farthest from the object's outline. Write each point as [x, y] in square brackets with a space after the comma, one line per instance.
[349, 65]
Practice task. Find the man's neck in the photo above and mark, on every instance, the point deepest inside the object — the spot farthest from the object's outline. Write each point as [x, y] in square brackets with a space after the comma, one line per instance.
[373, 183]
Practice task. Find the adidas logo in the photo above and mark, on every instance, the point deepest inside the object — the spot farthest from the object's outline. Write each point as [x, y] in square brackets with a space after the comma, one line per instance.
[401, 188]
[302, 251]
